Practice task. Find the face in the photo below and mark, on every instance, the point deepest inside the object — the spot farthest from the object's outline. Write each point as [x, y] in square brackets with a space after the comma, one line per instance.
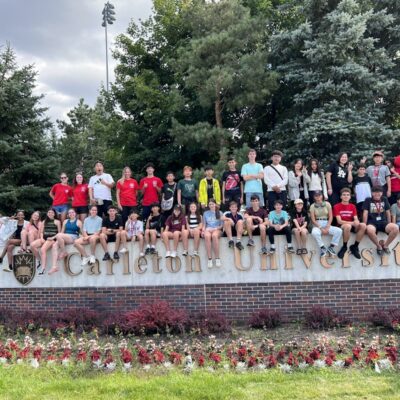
[345, 196]
[255, 203]
[318, 198]
[299, 206]
[376, 195]
[361, 171]
[298, 165]
[209, 173]
[278, 207]
[155, 210]
[71, 214]
[35, 216]
[93, 211]
[343, 159]
[133, 216]
[276, 159]
[127, 173]
[99, 168]
[378, 159]
[177, 212]
[252, 155]
[79, 179]
[20, 215]
[211, 205]
[187, 173]
[51, 214]
[233, 208]
[314, 165]
[232, 164]
[170, 177]
[112, 212]
[193, 208]
[150, 170]
[398, 202]
[63, 178]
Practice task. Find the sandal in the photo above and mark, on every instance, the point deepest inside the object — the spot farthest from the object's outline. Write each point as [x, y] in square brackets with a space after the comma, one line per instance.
[304, 251]
[299, 252]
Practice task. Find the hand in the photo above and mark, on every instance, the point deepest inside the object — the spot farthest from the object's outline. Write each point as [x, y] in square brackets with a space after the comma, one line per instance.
[326, 198]
[350, 166]
[93, 202]
[330, 191]
[259, 219]
[388, 193]
[154, 184]
[278, 227]
[241, 200]
[145, 186]
[325, 231]
[120, 207]
[363, 160]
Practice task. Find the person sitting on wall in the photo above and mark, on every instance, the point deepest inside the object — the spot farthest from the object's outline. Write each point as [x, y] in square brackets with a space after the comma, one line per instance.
[134, 231]
[233, 225]
[346, 217]
[154, 226]
[300, 225]
[175, 228]
[376, 214]
[279, 225]
[111, 232]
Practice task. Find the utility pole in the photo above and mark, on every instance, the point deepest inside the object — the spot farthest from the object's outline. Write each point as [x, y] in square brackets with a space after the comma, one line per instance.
[108, 19]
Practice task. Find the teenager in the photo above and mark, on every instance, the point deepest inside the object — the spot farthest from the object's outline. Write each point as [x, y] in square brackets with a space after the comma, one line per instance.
[362, 188]
[321, 217]
[70, 231]
[90, 235]
[257, 223]
[111, 231]
[188, 189]
[395, 180]
[47, 235]
[252, 174]
[60, 194]
[209, 188]
[194, 222]
[134, 231]
[317, 181]
[100, 186]
[395, 211]
[31, 232]
[376, 215]
[212, 230]
[338, 176]
[300, 225]
[169, 195]
[127, 188]
[233, 225]
[232, 185]
[298, 181]
[276, 179]
[347, 220]
[279, 225]
[151, 188]
[80, 196]
[380, 174]
[175, 228]
[15, 240]
[154, 226]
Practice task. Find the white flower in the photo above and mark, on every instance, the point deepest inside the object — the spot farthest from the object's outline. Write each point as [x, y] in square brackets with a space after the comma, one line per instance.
[338, 364]
[167, 364]
[210, 369]
[110, 366]
[241, 367]
[286, 368]
[385, 364]
[97, 363]
[51, 362]
[319, 364]
[188, 368]
[377, 369]
[226, 366]
[65, 362]
[303, 365]
[261, 366]
[34, 363]
[3, 360]
[188, 360]
[147, 367]
[127, 366]
[20, 361]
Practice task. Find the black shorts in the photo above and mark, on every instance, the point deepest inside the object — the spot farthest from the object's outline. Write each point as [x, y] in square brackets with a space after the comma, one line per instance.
[380, 226]
[256, 231]
[82, 210]
[111, 238]
[234, 233]
[232, 197]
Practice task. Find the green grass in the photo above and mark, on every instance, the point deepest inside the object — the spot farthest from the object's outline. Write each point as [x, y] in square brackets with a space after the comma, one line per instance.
[21, 382]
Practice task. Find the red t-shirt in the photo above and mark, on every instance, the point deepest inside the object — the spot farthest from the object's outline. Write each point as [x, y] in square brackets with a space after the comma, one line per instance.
[127, 194]
[80, 195]
[150, 193]
[61, 194]
[175, 223]
[346, 212]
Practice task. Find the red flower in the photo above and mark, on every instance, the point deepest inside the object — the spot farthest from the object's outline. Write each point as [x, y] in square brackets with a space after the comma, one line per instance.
[348, 361]
[215, 357]
[271, 361]
[252, 362]
[175, 358]
[315, 354]
[81, 356]
[95, 356]
[356, 353]
[281, 355]
[309, 360]
[201, 360]
[66, 354]
[126, 356]
[328, 361]
[234, 361]
[331, 354]
[143, 356]
[391, 353]
[24, 353]
[242, 352]
[158, 356]
[372, 356]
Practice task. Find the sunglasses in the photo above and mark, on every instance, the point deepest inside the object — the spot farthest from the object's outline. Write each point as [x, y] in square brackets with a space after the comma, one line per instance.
[63, 177]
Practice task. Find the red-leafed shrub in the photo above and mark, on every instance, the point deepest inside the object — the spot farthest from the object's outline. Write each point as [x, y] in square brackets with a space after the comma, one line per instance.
[81, 319]
[320, 317]
[265, 318]
[386, 318]
[209, 322]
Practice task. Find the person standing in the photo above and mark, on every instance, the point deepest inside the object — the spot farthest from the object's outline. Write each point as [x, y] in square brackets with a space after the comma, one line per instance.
[339, 176]
[395, 180]
[169, 195]
[252, 174]
[209, 188]
[380, 174]
[60, 193]
[188, 189]
[232, 185]
[80, 194]
[317, 181]
[276, 179]
[151, 188]
[100, 186]
[127, 188]
[298, 182]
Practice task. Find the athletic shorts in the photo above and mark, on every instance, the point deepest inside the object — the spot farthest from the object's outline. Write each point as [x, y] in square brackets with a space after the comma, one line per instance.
[380, 226]
[82, 210]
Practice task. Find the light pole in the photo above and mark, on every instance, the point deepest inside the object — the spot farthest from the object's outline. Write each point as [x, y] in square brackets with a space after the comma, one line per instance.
[108, 19]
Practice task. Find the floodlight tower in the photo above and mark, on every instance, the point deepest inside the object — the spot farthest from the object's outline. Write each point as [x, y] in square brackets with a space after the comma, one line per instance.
[108, 19]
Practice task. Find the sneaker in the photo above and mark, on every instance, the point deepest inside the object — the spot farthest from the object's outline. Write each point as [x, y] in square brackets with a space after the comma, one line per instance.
[85, 261]
[9, 269]
[355, 251]
[41, 271]
[168, 254]
[386, 250]
[106, 257]
[264, 250]
[250, 243]
[147, 251]
[184, 253]
[195, 253]
[290, 249]
[239, 246]
[342, 252]
[116, 255]
[123, 250]
[323, 251]
[173, 254]
[231, 244]
[141, 254]
[153, 250]
[92, 259]
[210, 263]
[38, 264]
[271, 250]
[218, 262]
[331, 251]
[379, 251]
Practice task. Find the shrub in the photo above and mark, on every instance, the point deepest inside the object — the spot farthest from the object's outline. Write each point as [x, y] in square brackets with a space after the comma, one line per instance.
[320, 317]
[386, 319]
[265, 318]
[209, 322]
[81, 319]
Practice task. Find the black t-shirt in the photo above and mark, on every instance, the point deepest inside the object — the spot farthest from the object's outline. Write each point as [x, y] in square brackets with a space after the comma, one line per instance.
[232, 181]
[301, 217]
[376, 210]
[156, 222]
[339, 177]
[168, 191]
[115, 224]
[234, 218]
[210, 188]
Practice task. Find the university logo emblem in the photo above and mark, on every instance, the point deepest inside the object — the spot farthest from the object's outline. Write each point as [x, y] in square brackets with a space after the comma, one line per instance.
[24, 268]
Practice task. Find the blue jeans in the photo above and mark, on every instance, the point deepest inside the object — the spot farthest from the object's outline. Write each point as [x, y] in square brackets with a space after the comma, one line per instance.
[260, 196]
[61, 209]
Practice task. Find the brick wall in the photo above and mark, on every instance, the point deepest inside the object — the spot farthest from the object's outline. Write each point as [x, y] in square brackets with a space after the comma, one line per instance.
[353, 298]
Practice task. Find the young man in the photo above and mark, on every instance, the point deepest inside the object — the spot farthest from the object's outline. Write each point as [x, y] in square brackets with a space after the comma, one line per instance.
[252, 174]
[188, 189]
[209, 188]
[168, 195]
[257, 223]
[111, 232]
[151, 188]
[346, 217]
[380, 174]
[90, 235]
[362, 188]
[233, 225]
[376, 214]
[100, 186]
[276, 179]
[232, 185]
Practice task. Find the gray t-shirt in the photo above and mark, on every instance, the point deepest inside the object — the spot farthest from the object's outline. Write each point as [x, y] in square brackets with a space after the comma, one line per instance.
[378, 174]
[395, 210]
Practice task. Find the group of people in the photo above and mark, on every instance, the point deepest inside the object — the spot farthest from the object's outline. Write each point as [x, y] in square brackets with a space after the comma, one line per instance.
[265, 201]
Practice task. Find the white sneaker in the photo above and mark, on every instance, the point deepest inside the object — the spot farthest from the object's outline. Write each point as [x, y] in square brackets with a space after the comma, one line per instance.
[218, 262]
[167, 254]
[141, 254]
[195, 253]
[210, 263]
[92, 259]
[123, 250]
[85, 261]
[173, 254]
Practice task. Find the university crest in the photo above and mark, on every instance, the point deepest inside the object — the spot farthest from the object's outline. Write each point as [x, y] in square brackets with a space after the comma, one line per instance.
[24, 268]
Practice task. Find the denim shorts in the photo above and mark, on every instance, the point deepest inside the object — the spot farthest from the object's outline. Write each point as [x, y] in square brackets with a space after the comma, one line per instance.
[62, 208]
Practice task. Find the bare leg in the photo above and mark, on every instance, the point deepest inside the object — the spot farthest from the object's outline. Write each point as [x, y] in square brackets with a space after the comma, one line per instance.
[176, 236]
[207, 238]
[215, 241]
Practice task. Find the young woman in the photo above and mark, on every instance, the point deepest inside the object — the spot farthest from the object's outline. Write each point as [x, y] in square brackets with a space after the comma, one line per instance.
[339, 176]
[31, 232]
[175, 228]
[298, 183]
[300, 221]
[15, 240]
[154, 226]
[60, 193]
[317, 181]
[134, 231]
[212, 230]
[51, 226]
[194, 222]
[80, 196]
[127, 188]
[69, 233]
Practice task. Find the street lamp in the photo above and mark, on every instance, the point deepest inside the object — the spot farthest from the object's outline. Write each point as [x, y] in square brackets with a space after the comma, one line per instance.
[108, 19]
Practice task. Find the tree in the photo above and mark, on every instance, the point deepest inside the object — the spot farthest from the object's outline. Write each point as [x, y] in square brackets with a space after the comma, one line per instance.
[28, 163]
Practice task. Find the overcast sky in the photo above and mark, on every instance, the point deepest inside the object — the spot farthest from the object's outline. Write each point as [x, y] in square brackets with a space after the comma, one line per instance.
[64, 39]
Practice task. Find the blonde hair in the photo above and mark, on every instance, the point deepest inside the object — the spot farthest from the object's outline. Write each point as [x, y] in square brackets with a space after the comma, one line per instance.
[122, 180]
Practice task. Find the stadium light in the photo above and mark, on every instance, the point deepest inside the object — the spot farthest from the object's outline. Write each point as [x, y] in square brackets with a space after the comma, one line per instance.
[108, 19]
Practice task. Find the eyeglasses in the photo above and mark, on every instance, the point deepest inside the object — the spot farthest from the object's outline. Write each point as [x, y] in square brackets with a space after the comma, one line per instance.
[63, 177]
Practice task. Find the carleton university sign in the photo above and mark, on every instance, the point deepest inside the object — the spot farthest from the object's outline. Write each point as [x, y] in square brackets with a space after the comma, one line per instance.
[247, 266]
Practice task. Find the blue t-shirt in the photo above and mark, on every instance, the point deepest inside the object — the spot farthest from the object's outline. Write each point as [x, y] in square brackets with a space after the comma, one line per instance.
[254, 185]
[278, 219]
[92, 224]
[210, 220]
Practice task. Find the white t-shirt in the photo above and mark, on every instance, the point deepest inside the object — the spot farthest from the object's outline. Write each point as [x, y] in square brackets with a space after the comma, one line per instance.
[272, 178]
[101, 191]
